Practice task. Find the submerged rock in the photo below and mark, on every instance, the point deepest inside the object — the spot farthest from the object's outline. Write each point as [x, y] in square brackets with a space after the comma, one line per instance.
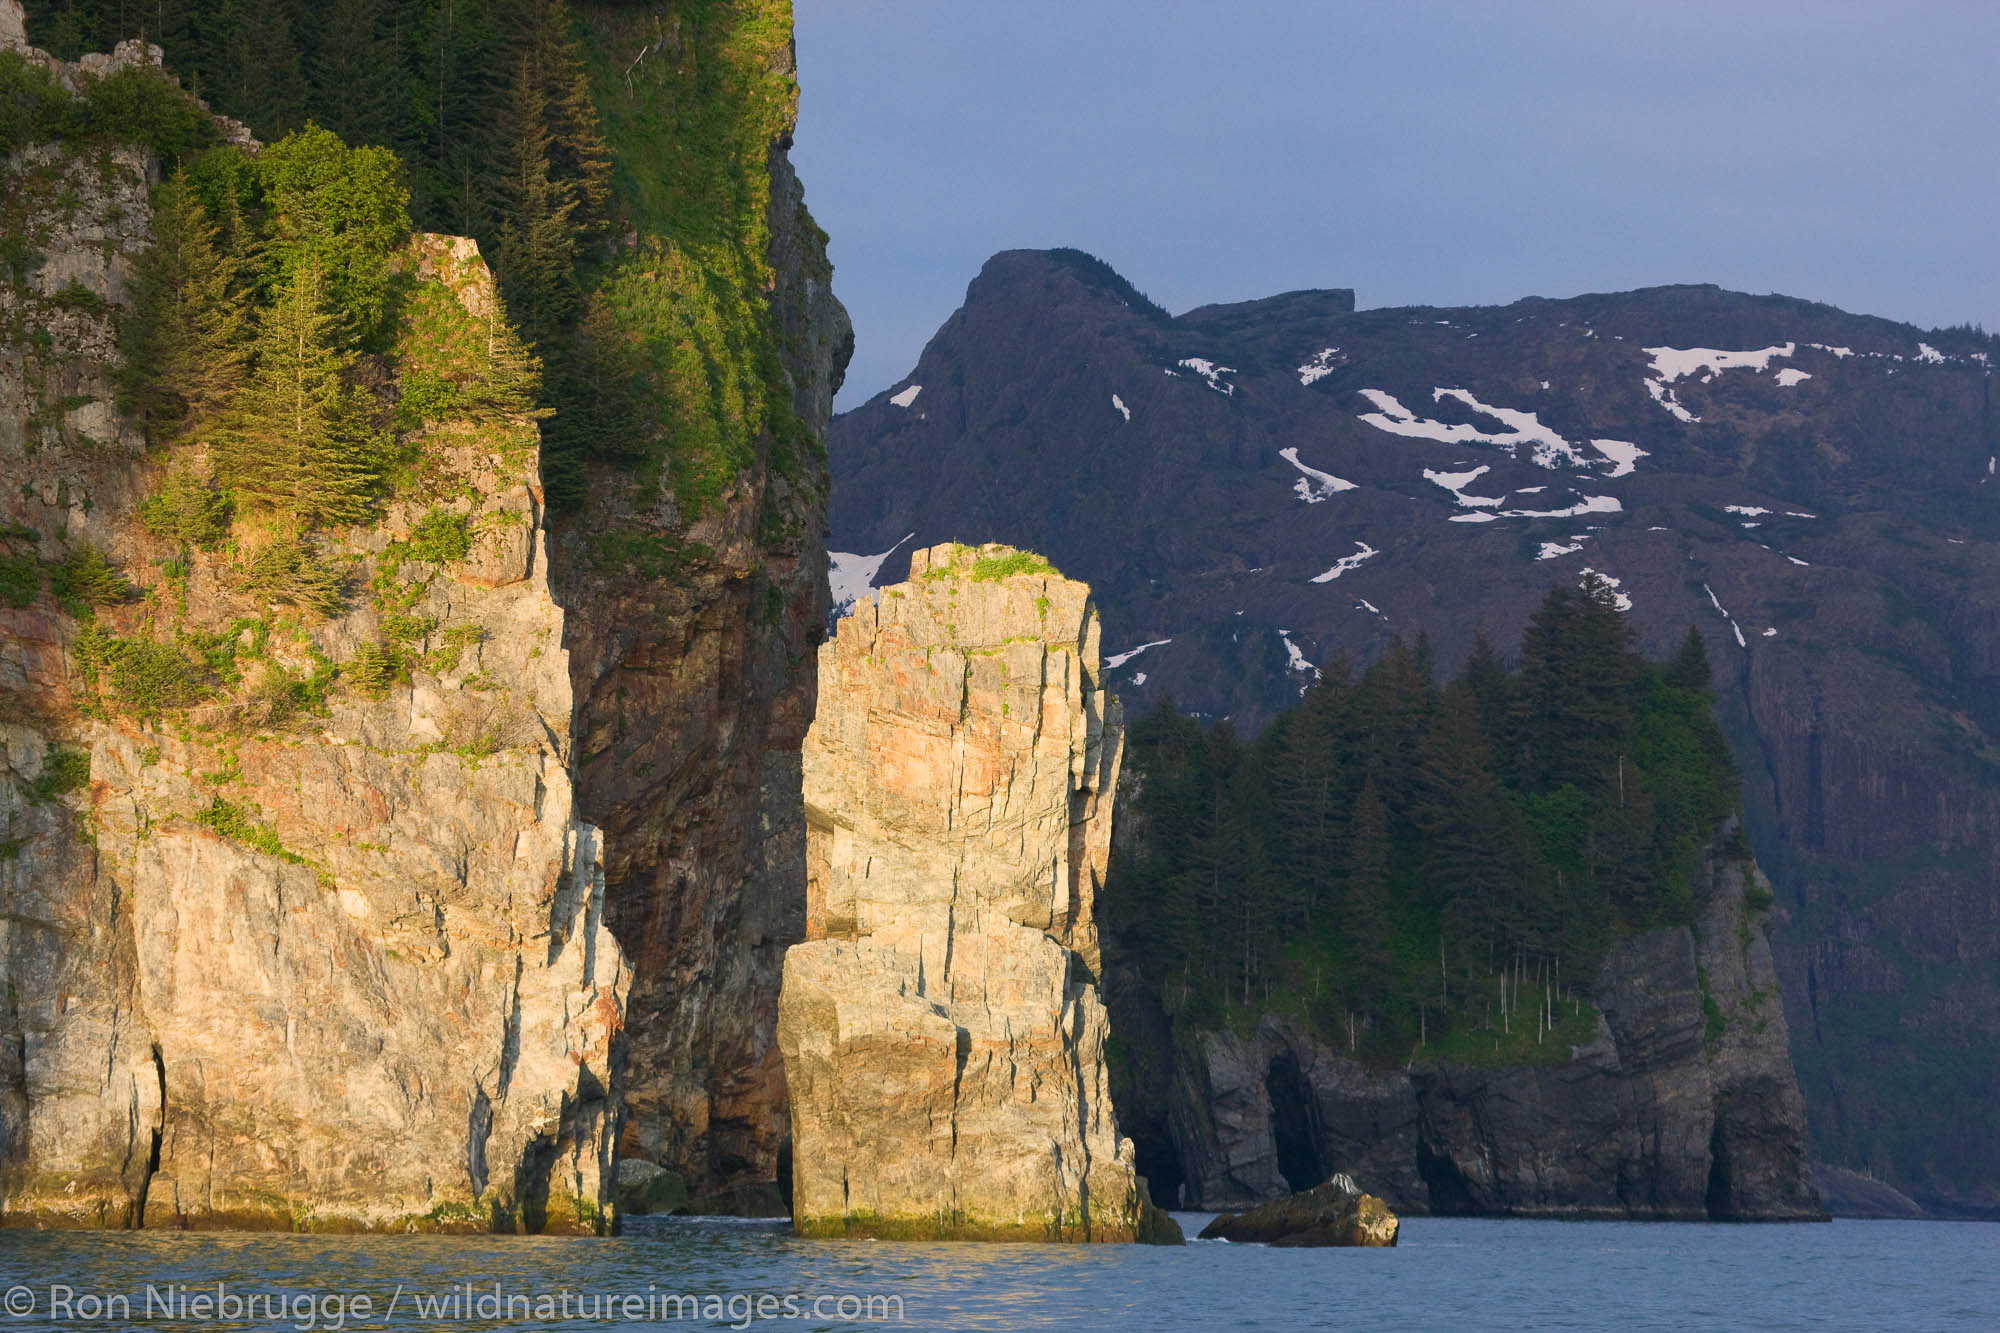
[1335, 1213]
[942, 1033]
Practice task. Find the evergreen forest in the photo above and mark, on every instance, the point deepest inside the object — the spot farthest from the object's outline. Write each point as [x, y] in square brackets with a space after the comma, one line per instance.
[636, 279]
[1420, 871]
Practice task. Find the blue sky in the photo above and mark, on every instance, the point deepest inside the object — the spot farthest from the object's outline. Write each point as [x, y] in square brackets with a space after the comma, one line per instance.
[1439, 154]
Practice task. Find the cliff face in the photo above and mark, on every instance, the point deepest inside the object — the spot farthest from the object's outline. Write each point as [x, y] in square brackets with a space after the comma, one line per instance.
[942, 1033]
[1813, 488]
[1682, 1106]
[431, 954]
[267, 967]
[692, 668]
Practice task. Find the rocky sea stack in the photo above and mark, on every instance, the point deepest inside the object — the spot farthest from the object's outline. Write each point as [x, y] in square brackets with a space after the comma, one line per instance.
[942, 1032]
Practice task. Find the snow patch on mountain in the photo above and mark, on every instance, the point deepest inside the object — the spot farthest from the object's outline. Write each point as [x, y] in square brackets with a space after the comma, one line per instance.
[1319, 365]
[1665, 398]
[1723, 611]
[1456, 482]
[1315, 485]
[852, 577]
[907, 396]
[1790, 377]
[1672, 363]
[1545, 447]
[1296, 660]
[1117, 660]
[1556, 550]
[1346, 563]
[1619, 599]
[1589, 504]
[1624, 457]
[1210, 373]
[1119, 405]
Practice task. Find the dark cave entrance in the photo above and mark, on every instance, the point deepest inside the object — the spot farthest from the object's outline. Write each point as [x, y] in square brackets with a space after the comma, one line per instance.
[1294, 1131]
[1720, 1207]
[1450, 1192]
[1156, 1161]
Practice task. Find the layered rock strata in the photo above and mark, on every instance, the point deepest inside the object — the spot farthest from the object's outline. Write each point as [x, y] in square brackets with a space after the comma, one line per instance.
[942, 1033]
[1683, 1106]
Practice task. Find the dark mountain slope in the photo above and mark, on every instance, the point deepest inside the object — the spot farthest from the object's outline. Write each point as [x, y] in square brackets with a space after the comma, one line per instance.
[1268, 484]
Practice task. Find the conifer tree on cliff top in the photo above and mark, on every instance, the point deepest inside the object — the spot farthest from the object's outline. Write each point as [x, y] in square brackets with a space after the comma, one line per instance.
[300, 439]
[185, 335]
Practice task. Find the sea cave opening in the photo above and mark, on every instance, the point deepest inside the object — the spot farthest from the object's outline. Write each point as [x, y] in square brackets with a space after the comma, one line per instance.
[1293, 1124]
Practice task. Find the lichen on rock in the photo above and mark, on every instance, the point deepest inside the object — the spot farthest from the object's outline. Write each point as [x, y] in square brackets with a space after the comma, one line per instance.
[941, 1028]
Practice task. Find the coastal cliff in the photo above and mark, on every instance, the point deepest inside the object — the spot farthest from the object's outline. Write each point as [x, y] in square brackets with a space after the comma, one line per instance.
[942, 1033]
[1680, 1105]
[407, 869]
[268, 964]
[693, 624]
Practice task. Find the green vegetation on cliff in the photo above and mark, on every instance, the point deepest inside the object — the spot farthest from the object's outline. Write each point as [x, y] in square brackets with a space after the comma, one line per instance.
[1401, 864]
[612, 160]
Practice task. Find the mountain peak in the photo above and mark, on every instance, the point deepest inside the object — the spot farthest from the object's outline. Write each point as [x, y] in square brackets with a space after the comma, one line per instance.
[1062, 275]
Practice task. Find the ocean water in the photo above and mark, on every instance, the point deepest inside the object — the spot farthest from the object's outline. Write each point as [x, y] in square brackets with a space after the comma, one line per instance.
[1446, 1274]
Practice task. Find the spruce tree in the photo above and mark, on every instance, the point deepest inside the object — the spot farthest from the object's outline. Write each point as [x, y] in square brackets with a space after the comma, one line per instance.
[344, 211]
[1487, 679]
[258, 74]
[300, 440]
[1365, 919]
[357, 84]
[1474, 852]
[1574, 705]
[1689, 669]
[535, 246]
[1393, 702]
[183, 340]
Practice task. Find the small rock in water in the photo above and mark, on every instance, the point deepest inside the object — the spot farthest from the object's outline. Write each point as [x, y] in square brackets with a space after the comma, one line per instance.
[1336, 1213]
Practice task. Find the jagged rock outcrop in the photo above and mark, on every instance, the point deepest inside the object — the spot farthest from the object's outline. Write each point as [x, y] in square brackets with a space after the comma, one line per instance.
[1683, 1106]
[942, 1033]
[1333, 1213]
[264, 967]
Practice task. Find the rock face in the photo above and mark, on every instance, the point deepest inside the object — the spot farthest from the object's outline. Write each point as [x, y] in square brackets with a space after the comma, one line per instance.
[346, 971]
[694, 689]
[1683, 1107]
[1335, 1213]
[440, 957]
[1816, 492]
[942, 1033]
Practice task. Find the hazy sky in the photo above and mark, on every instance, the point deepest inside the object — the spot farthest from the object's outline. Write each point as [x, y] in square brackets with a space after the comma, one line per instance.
[1420, 153]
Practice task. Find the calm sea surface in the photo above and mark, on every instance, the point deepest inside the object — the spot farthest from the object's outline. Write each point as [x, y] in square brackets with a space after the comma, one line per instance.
[1446, 1274]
